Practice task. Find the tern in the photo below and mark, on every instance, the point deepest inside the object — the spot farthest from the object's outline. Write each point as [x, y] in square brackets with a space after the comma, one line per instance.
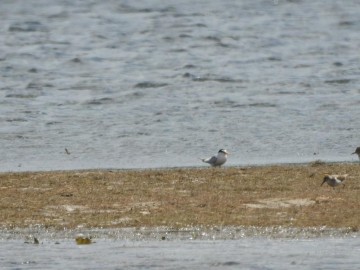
[217, 160]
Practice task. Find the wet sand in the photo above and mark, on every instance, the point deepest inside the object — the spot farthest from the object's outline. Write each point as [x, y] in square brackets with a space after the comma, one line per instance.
[287, 196]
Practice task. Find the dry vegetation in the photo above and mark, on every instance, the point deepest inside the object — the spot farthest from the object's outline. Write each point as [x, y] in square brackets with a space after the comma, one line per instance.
[261, 196]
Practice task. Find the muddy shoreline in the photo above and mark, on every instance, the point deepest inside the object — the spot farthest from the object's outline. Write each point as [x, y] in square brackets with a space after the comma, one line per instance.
[276, 196]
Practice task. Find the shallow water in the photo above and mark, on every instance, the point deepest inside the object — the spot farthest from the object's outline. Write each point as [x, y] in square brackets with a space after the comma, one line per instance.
[125, 84]
[175, 253]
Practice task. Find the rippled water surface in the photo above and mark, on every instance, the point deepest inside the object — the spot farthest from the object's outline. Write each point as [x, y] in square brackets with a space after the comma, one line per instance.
[191, 248]
[248, 253]
[134, 84]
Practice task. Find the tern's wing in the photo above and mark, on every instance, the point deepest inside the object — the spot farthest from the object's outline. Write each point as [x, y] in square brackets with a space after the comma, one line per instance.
[210, 160]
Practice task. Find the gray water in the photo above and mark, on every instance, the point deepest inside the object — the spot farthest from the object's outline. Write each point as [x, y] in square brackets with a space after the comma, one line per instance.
[150, 83]
[140, 84]
[247, 253]
[227, 248]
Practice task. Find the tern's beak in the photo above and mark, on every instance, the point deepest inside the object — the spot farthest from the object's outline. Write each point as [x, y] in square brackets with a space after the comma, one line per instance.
[353, 153]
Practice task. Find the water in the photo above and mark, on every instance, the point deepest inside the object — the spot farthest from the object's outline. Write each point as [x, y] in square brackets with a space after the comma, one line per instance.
[235, 254]
[124, 84]
[141, 84]
[229, 248]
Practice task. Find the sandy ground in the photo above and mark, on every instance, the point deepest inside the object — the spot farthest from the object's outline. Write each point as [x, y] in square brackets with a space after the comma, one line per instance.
[282, 195]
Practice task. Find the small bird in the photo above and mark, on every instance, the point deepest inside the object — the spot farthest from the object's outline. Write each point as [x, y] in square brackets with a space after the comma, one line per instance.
[67, 151]
[357, 151]
[334, 180]
[218, 160]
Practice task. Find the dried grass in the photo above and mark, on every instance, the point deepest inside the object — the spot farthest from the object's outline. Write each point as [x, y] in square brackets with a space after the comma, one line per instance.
[285, 195]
